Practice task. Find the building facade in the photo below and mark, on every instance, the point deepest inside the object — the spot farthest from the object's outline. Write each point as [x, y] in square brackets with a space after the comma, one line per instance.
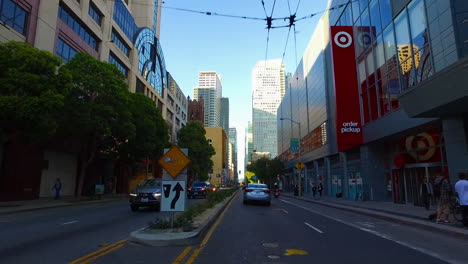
[395, 114]
[210, 91]
[249, 148]
[225, 114]
[196, 110]
[233, 141]
[177, 108]
[268, 88]
[124, 33]
[217, 138]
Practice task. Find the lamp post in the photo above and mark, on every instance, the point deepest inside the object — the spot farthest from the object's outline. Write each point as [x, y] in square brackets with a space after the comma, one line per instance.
[299, 188]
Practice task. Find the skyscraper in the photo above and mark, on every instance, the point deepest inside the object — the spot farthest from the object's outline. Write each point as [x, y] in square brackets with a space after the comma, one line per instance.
[268, 88]
[209, 90]
[233, 141]
[225, 114]
[248, 143]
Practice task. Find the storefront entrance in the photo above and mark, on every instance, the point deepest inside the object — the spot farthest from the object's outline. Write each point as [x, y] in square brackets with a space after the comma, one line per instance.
[406, 181]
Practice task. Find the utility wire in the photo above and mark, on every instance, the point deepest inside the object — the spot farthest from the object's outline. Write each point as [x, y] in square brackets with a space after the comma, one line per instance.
[285, 46]
[208, 13]
[264, 9]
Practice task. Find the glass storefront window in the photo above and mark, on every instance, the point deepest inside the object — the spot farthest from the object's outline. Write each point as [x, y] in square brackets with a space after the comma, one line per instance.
[374, 114]
[383, 96]
[394, 88]
[365, 19]
[379, 57]
[363, 4]
[356, 12]
[405, 50]
[420, 40]
[390, 47]
[375, 16]
[385, 12]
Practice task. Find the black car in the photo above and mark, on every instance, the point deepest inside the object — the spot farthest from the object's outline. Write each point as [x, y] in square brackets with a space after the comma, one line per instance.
[197, 189]
[147, 194]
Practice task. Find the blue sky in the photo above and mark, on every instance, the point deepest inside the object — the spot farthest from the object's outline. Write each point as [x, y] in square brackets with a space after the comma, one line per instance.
[231, 46]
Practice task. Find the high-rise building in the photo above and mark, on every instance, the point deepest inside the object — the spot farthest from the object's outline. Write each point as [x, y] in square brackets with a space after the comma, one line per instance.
[233, 141]
[248, 143]
[209, 90]
[176, 113]
[225, 114]
[268, 86]
[124, 33]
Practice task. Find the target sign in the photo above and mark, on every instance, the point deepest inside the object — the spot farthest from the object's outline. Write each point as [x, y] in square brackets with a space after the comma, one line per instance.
[343, 39]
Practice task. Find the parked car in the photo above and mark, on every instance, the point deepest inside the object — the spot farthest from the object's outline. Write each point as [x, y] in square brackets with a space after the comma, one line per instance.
[257, 193]
[197, 189]
[147, 194]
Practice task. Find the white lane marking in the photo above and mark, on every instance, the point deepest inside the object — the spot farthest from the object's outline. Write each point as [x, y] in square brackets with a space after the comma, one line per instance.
[422, 250]
[313, 227]
[284, 211]
[67, 223]
[366, 224]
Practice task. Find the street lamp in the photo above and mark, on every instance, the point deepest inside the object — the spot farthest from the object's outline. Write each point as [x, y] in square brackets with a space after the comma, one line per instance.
[299, 188]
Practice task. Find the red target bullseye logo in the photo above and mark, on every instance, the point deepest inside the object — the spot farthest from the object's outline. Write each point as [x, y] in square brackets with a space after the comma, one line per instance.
[343, 39]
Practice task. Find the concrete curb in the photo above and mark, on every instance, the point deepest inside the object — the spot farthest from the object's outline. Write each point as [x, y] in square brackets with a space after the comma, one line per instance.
[143, 236]
[85, 202]
[401, 219]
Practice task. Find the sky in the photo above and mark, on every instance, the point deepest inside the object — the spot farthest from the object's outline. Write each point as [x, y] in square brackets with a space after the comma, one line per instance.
[194, 42]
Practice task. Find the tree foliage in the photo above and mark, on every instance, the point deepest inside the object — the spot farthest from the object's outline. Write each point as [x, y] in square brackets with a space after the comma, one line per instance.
[193, 137]
[267, 169]
[32, 89]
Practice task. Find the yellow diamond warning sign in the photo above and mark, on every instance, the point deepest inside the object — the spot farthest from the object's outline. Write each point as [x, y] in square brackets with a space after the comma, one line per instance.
[174, 161]
[299, 165]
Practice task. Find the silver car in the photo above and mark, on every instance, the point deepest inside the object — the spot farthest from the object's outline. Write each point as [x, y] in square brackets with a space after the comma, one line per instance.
[257, 193]
[147, 194]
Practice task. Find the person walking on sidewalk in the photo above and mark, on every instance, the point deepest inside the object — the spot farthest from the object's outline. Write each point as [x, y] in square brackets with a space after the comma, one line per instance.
[314, 188]
[443, 185]
[461, 187]
[57, 187]
[320, 189]
[426, 191]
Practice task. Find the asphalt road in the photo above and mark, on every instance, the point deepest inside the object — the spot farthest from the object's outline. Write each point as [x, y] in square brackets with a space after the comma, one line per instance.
[289, 231]
[64, 234]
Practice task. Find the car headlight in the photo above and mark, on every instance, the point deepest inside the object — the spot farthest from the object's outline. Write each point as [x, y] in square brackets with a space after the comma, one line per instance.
[133, 194]
[156, 194]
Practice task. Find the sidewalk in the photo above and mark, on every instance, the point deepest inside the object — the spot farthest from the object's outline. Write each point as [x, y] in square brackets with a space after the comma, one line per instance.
[43, 203]
[403, 213]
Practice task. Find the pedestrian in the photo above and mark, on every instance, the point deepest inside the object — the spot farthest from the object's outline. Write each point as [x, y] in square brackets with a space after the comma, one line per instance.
[426, 192]
[443, 185]
[57, 187]
[461, 187]
[320, 189]
[314, 188]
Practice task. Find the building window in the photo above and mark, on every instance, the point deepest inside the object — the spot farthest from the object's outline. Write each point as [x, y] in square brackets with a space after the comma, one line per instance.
[95, 14]
[113, 59]
[119, 42]
[140, 87]
[13, 15]
[72, 22]
[65, 51]
[124, 19]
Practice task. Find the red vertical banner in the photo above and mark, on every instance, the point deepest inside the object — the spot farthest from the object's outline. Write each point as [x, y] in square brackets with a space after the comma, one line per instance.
[348, 114]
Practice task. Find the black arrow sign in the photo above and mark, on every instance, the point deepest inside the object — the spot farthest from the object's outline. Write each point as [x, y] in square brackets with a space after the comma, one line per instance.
[167, 190]
[178, 188]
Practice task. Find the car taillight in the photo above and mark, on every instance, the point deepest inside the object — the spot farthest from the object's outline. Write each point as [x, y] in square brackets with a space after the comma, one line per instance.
[202, 189]
[214, 189]
[248, 190]
[189, 189]
[267, 191]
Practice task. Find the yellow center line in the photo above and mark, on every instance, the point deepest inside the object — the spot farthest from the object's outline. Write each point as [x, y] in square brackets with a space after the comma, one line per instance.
[97, 251]
[182, 255]
[208, 235]
[103, 253]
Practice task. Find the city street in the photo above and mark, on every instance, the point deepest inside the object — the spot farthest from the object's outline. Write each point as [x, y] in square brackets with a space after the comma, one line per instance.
[292, 231]
[61, 235]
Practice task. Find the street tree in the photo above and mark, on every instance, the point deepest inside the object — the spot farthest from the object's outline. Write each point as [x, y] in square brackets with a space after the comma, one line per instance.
[96, 110]
[151, 131]
[193, 138]
[32, 91]
[266, 169]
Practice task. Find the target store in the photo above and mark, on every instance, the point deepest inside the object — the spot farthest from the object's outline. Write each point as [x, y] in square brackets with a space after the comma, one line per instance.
[380, 94]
